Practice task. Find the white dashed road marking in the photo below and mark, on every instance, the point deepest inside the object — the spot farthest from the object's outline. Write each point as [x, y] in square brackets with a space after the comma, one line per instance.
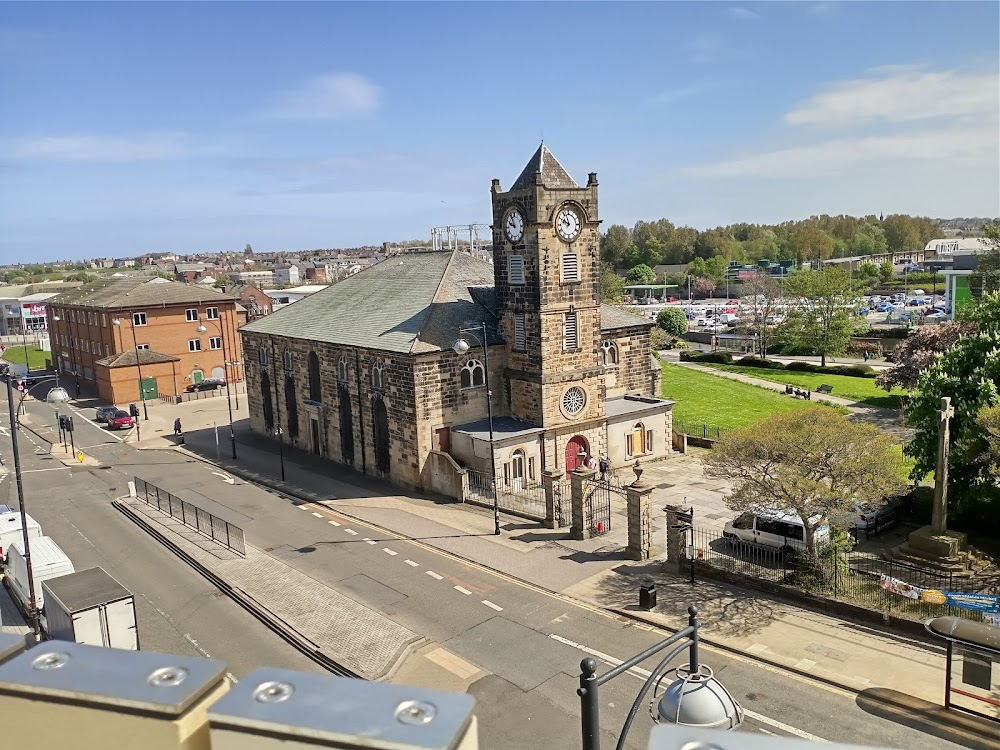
[334, 523]
[491, 605]
[464, 591]
[389, 551]
[318, 515]
[352, 532]
[434, 575]
[412, 564]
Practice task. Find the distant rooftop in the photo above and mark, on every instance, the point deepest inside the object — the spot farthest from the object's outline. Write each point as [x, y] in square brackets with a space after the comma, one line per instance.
[138, 291]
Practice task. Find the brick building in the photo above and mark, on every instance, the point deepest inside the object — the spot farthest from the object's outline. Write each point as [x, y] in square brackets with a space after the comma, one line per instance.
[364, 372]
[98, 330]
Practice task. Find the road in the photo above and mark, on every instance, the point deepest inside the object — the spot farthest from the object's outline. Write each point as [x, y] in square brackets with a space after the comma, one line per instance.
[522, 645]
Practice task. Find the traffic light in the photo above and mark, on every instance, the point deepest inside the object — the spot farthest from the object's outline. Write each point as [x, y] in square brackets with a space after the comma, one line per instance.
[133, 410]
[69, 424]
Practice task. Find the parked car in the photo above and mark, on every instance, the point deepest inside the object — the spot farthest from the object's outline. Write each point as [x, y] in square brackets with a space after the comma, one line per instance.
[103, 412]
[120, 420]
[866, 515]
[208, 384]
[780, 531]
[885, 307]
[935, 317]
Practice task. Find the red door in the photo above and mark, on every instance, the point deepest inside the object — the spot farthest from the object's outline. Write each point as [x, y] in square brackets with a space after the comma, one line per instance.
[573, 448]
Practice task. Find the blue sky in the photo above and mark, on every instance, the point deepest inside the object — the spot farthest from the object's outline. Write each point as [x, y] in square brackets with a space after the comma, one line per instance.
[136, 127]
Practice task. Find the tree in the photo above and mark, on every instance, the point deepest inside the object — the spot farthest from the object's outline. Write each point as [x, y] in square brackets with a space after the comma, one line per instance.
[813, 463]
[248, 251]
[640, 274]
[614, 244]
[673, 321]
[981, 447]
[885, 271]
[901, 233]
[612, 286]
[704, 286]
[920, 350]
[810, 243]
[822, 323]
[969, 374]
[868, 271]
[986, 277]
[761, 294]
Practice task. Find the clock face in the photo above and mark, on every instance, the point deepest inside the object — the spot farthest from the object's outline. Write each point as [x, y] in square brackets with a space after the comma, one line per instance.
[513, 226]
[568, 224]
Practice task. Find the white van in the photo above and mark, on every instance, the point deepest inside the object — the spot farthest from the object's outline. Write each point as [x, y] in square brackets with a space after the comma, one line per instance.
[772, 530]
[729, 319]
[47, 561]
[10, 530]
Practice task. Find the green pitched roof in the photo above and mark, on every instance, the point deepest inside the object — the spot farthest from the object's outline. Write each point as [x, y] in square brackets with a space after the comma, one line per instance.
[413, 303]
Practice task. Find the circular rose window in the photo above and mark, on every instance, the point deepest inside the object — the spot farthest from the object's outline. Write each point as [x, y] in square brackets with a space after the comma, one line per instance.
[573, 400]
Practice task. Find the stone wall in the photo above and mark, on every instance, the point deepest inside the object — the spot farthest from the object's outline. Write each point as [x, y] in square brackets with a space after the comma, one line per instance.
[398, 396]
[634, 372]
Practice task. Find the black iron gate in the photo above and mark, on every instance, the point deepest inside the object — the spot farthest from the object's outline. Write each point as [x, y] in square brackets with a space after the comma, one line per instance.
[597, 499]
[562, 500]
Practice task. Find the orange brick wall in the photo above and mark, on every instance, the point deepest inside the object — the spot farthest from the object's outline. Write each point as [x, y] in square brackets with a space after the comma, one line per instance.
[120, 385]
[167, 331]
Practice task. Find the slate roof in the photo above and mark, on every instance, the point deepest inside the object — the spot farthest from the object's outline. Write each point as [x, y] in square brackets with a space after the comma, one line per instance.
[409, 303]
[128, 358]
[553, 174]
[613, 318]
[136, 292]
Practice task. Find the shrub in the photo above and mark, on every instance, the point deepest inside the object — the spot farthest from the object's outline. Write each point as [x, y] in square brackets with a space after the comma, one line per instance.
[766, 364]
[802, 367]
[719, 358]
[660, 339]
[672, 320]
[856, 371]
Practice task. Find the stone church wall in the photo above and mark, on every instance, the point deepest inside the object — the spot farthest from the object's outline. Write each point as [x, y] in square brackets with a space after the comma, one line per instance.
[634, 372]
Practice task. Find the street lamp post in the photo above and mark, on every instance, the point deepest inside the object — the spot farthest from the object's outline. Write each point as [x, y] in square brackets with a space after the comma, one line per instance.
[32, 610]
[695, 698]
[138, 364]
[229, 400]
[461, 346]
[58, 360]
[281, 451]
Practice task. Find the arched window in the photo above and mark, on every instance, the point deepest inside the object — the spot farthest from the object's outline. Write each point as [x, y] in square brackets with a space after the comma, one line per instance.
[473, 374]
[287, 359]
[377, 382]
[342, 370]
[262, 355]
[291, 408]
[315, 386]
[609, 353]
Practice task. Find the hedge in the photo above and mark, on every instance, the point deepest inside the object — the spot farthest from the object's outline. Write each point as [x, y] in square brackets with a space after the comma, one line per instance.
[724, 358]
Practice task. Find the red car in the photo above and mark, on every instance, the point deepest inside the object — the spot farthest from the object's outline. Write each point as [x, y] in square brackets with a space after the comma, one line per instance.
[120, 420]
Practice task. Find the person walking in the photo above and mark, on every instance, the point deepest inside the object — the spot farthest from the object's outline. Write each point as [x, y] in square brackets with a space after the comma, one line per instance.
[604, 465]
[177, 426]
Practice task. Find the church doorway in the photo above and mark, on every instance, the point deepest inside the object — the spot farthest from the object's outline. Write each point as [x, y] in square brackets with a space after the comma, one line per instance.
[573, 448]
[381, 436]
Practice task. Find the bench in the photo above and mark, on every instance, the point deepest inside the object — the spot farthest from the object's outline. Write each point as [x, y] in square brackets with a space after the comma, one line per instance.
[824, 388]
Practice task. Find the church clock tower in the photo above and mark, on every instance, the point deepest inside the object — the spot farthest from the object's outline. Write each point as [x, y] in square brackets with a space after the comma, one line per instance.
[546, 255]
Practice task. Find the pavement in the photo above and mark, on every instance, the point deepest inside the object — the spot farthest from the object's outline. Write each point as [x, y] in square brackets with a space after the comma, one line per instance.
[854, 657]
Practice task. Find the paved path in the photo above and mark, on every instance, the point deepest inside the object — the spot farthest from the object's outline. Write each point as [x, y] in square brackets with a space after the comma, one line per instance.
[889, 420]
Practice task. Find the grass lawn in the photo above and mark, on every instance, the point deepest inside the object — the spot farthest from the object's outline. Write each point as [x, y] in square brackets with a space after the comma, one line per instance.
[720, 402]
[856, 389]
[37, 358]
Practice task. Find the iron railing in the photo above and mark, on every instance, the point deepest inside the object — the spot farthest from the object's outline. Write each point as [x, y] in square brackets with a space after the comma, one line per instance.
[189, 514]
[521, 497]
[698, 429]
[854, 577]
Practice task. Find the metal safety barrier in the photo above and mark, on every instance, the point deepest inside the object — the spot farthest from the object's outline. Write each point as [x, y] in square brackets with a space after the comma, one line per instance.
[217, 529]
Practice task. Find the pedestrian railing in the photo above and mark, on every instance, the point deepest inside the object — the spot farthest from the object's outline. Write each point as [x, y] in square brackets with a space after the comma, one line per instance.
[189, 514]
[520, 497]
[698, 429]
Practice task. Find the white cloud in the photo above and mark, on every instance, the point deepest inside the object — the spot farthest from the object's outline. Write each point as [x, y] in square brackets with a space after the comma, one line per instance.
[901, 94]
[743, 14]
[108, 148]
[825, 8]
[705, 48]
[683, 92]
[971, 146]
[337, 96]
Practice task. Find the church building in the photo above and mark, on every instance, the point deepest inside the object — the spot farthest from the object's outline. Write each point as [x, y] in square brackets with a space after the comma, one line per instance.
[389, 371]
